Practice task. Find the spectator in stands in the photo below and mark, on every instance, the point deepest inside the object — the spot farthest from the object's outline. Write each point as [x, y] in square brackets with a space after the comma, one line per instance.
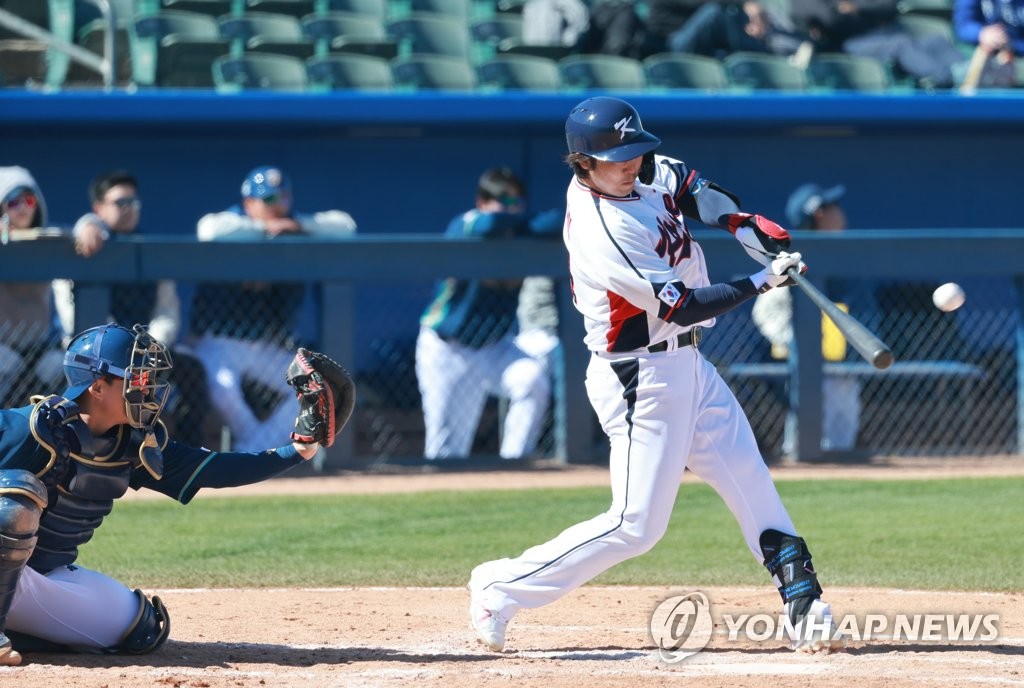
[31, 359]
[115, 215]
[719, 29]
[615, 28]
[245, 334]
[467, 347]
[554, 22]
[812, 207]
[870, 29]
[997, 28]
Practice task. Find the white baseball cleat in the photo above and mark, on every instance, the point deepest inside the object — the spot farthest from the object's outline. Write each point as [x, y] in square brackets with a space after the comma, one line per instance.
[8, 655]
[816, 633]
[489, 626]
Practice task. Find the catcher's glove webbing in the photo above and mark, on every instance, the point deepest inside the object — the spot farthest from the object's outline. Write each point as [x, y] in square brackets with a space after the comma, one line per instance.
[326, 396]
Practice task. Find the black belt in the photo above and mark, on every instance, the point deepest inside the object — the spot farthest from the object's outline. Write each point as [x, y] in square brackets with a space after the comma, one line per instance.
[689, 338]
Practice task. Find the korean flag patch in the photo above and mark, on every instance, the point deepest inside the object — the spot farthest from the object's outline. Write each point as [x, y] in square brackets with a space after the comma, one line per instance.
[669, 295]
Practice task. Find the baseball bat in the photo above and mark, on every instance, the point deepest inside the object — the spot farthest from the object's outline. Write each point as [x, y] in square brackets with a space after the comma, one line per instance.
[867, 344]
[974, 71]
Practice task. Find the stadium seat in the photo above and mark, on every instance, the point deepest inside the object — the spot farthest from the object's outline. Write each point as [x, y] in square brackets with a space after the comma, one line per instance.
[436, 72]
[259, 71]
[682, 70]
[525, 72]
[266, 32]
[175, 49]
[377, 9]
[430, 34]
[930, 8]
[602, 72]
[762, 71]
[923, 25]
[214, 8]
[348, 32]
[516, 46]
[848, 72]
[293, 8]
[359, 72]
[487, 33]
[456, 9]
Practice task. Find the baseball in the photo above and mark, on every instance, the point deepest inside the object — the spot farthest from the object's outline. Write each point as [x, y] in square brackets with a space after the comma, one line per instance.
[948, 297]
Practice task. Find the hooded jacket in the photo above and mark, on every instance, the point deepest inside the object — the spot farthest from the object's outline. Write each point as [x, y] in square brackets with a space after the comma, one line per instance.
[24, 306]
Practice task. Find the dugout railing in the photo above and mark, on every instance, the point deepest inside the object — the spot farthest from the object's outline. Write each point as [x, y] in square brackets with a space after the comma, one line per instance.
[965, 396]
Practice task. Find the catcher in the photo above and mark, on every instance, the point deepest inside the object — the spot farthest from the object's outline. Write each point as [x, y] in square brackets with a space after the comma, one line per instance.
[64, 459]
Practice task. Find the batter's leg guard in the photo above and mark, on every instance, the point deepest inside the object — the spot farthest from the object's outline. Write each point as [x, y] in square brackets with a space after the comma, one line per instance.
[149, 630]
[22, 500]
[787, 559]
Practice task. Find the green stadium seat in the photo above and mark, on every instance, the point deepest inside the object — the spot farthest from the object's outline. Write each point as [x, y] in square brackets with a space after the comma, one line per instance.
[259, 71]
[430, 34]
[762, 71]
[516, 46]
[324, 29]
[266, 32]
[682, 70]
[378, 9]
[293, 8]
[519, 72]
[840, 71]
[433, 72]
[214, 8]
[349, 72]
[175, 49]
[456, 9]
[602, 72]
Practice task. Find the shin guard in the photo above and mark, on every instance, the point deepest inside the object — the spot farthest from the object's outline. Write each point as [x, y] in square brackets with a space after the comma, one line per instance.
[787, 559]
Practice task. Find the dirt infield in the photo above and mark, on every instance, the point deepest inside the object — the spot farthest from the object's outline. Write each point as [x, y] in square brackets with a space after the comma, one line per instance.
[597, 635]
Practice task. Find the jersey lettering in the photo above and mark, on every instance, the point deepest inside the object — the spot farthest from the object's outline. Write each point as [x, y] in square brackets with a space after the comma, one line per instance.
[674, 244]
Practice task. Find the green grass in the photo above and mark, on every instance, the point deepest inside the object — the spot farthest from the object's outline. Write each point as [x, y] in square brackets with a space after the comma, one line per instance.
[948, 534]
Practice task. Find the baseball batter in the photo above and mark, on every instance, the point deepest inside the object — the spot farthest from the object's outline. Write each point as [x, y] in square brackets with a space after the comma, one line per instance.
[64, 459]
[640, 281]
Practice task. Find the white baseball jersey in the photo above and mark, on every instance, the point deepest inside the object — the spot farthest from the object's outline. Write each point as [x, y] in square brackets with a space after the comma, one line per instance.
[639, 279]
[634, 265]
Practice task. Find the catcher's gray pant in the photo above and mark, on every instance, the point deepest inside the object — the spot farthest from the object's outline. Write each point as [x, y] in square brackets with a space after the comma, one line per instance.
[73, 606]
[454, 382]
[663, 412]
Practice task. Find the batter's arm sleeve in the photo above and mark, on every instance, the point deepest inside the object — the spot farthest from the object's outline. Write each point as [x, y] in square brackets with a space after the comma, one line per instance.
[189, 469]
[696, 197]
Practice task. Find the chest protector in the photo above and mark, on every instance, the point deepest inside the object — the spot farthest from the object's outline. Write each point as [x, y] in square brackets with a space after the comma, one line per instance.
[84, 476]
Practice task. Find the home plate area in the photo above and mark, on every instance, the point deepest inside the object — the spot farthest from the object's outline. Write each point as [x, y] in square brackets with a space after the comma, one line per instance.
[597, 636]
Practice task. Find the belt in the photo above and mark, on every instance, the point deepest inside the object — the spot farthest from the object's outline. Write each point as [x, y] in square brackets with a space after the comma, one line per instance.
[689, 338]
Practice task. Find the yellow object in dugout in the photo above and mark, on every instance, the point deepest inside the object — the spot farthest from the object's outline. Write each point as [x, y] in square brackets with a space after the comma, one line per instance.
[833, 343]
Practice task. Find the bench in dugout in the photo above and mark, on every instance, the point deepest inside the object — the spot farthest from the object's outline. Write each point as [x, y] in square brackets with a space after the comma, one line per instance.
[940, 373]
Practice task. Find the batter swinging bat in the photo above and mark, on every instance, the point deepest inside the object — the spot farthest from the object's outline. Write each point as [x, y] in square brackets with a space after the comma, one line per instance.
[870, 347]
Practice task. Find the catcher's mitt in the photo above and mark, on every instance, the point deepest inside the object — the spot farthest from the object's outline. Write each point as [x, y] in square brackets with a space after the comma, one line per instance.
[326, 396]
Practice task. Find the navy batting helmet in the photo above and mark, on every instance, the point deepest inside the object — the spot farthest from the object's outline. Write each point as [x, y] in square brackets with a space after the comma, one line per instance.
[142, 361]
[608, 129]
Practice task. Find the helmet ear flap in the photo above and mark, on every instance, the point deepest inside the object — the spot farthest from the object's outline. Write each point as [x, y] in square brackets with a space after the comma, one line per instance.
[646, 175]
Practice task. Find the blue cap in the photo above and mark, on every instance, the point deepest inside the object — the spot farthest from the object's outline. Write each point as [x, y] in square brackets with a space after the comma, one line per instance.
[806, 200]
[265, 181]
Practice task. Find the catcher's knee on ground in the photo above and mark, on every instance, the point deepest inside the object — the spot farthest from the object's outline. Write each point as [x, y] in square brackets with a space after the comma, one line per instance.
[22, 499]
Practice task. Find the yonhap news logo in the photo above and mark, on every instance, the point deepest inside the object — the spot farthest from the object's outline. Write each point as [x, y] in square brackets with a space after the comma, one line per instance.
[681, 626]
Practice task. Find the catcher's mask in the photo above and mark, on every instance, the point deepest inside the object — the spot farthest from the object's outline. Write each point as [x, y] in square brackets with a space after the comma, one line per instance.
[133, 355]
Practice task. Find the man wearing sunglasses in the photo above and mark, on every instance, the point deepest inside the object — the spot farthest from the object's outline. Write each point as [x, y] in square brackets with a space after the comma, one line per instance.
[245, 332]
[116, 211]
[29, 345]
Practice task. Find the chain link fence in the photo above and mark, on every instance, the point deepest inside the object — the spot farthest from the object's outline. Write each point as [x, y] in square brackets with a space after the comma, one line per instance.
[953, 390]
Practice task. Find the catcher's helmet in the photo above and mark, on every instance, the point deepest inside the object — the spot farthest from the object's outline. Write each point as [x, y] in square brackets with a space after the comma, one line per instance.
[142, 361]
[608, 129]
